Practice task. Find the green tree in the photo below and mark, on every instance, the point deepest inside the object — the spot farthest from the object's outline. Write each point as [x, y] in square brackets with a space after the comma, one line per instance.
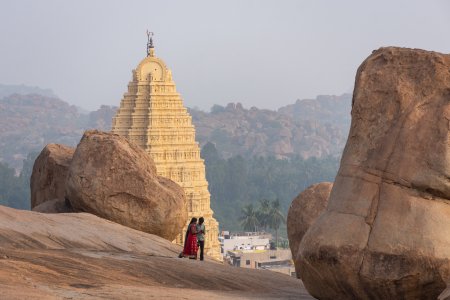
[263, 213]
[27, 168]
[210, 154]
[13, 190]
[240, 180]
[249, 219]
[7, 180]
[217, 109]
[276, 218]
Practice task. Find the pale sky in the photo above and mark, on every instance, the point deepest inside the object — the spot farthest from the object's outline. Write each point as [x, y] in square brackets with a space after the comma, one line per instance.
[260, 53]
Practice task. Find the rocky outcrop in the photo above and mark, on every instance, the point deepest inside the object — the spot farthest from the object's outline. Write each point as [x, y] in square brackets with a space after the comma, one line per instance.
[386, 231]
[81, 256]
[54, 206]
[303, 212]
[49, 173]
[308, 128]
[116, 180]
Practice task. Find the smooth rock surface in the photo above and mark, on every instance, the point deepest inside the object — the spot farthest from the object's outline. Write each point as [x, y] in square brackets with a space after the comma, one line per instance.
[27, 230]
[303, 212]
[445, 294]
[386, 231]
[81, 256]
[116, 180]
[49, 173]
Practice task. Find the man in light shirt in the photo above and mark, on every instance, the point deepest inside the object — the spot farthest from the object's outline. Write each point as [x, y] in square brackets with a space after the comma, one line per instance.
[201, 235]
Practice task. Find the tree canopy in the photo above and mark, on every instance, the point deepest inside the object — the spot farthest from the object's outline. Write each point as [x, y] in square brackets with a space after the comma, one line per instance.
[238, 181]
[15, 190]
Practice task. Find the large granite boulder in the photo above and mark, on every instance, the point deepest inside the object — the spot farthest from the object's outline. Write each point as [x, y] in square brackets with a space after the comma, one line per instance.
[303, 212]
[116, 180]
[49, 173]
[386, 231]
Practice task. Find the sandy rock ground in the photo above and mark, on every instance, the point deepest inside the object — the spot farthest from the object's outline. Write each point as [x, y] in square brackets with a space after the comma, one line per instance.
[80, 256]
[63, 274]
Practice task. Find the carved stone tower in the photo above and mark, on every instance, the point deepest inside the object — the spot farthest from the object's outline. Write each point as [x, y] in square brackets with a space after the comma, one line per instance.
[152, 115]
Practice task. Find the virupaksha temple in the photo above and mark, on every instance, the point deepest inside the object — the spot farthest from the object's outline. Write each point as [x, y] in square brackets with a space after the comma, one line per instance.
[152, 115]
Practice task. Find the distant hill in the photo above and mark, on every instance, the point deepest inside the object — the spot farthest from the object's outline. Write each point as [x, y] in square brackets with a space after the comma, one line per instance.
[325, 109]
[29, 122]
[10, 89]
[308, 128]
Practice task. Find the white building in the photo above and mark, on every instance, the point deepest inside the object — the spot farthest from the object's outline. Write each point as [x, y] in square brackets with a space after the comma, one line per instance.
[273, 260]
[244, 241]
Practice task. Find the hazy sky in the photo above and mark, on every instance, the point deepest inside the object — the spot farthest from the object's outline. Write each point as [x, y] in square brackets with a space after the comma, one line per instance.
[261, 53]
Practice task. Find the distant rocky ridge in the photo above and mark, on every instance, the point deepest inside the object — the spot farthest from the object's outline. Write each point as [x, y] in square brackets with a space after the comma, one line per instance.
[29, 122]
[21, 89]
[309, 128]
[325, 109]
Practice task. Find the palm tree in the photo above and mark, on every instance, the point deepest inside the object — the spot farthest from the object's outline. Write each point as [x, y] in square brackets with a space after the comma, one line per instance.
[275, 218]
[263, 213]
[249, 219]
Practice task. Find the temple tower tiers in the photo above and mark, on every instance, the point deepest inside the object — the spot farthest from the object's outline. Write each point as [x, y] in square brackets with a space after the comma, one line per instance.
[152, 115]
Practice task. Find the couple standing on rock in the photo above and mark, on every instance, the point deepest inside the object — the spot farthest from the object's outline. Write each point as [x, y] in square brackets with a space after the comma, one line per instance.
[195, 238]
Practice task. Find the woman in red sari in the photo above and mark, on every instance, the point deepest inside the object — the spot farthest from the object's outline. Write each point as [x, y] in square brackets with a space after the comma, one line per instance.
[190, 243]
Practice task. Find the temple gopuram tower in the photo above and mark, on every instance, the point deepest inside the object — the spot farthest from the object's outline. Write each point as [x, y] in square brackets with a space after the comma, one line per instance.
[152, 115]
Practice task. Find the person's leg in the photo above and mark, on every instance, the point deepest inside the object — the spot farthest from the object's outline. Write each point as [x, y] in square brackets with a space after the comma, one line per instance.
[202, 247]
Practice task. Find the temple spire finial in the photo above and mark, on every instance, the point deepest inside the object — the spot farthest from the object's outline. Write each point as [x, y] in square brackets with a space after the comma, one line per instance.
[150, 47]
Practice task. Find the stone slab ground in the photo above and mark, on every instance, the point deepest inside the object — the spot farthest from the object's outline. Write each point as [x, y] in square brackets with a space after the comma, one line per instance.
[81, 256]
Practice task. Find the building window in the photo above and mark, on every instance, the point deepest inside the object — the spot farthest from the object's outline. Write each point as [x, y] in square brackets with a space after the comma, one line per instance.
[247, 262]
[273, 257]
